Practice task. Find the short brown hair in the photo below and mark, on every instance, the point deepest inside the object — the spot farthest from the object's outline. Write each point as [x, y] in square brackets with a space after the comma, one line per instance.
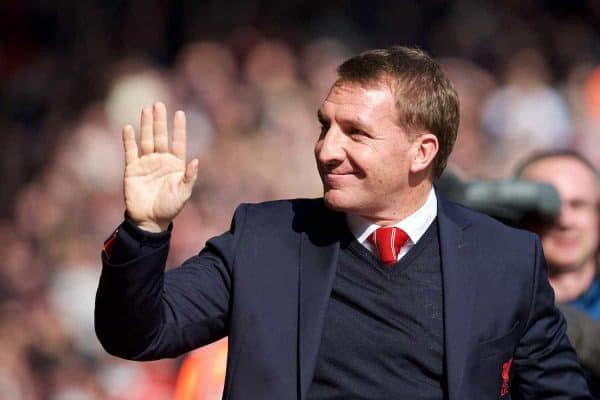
[425, 98]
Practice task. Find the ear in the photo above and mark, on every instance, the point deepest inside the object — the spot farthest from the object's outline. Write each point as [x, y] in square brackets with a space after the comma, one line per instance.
[425, 149]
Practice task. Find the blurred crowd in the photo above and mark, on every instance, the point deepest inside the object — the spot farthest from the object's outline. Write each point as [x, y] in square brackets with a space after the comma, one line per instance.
[527, 73]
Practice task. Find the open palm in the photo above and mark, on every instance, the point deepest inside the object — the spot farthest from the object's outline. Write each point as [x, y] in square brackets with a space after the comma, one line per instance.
[157, 181]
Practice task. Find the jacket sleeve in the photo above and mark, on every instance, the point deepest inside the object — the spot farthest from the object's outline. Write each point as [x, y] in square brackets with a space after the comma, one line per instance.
[545, 364]
[143, 313]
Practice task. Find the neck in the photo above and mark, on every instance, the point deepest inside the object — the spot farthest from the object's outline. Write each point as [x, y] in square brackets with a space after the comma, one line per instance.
[402, 207]
[569, 285]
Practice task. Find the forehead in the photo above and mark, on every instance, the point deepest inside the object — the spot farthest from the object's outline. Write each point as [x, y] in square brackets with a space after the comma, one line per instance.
[571, 177]
[349, 101]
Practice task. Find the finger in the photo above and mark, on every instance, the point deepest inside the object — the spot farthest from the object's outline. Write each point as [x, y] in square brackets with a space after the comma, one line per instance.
[146, 138]
[131, 149]
[161, 141]
[178, 146]
[189, 178]
[191, 172]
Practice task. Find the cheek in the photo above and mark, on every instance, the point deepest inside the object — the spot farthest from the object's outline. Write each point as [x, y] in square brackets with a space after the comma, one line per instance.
[316, 152]
[589, 225]
[592, 234]
[317, 148]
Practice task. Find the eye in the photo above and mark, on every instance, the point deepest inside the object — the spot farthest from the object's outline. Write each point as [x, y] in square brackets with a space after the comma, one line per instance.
[581, 205]
[356, 133]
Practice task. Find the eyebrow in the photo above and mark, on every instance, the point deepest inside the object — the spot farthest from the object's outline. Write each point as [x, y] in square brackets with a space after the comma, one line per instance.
[356, 121]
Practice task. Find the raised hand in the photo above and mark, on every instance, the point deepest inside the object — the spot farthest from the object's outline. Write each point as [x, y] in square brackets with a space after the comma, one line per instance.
[157, 181]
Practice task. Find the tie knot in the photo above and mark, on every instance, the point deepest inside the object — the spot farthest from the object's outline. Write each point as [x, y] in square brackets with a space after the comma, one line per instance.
[388, 241]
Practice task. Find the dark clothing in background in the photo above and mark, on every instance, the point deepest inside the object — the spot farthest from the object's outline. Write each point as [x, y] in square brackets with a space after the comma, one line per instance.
[584, 333]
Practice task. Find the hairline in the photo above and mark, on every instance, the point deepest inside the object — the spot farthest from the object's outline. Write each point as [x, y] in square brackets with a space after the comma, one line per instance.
[558, 154]
[391, 83]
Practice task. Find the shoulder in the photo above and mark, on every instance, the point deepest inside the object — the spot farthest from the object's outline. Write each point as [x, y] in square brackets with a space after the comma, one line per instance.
[488, 231]
[297, 214]
[286, 208]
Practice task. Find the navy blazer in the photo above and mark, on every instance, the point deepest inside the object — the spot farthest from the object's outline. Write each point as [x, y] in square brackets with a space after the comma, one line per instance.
[266, 284]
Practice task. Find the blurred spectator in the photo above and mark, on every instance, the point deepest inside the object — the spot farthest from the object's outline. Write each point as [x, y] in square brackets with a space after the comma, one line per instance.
[588, 93]
[472, 83]
[526, 114]
[320, 59]
[571, 242]
[202, 374]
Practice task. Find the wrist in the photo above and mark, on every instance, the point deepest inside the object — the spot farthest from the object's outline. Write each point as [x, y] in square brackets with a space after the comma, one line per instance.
[153, 227]
[146, 234]
[146, 224]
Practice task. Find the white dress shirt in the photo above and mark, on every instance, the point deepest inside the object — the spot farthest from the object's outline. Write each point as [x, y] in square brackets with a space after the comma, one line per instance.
[414, 225]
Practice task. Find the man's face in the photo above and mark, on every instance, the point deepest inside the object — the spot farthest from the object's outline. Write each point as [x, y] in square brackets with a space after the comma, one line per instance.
[362, 153]
[573, 239]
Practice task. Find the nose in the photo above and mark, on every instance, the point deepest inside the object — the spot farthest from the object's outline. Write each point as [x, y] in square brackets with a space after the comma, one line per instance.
[330, 150]
[566, 216]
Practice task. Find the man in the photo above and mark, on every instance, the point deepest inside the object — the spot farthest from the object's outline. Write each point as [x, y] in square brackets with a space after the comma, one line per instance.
[571, 244]
[329, 298]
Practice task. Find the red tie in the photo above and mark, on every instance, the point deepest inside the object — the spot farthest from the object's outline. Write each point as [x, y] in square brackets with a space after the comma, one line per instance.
[388, 241]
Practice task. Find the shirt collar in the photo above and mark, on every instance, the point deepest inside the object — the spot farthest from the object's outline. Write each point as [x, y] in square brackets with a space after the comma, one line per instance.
[414, 225]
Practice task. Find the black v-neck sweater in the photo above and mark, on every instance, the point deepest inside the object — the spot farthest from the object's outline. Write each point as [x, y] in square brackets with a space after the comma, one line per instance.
[383, 336]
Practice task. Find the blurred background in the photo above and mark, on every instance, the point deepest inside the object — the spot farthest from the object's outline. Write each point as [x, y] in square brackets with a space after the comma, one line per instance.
[250, 77]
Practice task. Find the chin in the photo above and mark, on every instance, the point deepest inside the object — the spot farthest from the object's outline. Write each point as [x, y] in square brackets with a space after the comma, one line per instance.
[341, 202]
[336, 201]
[333, 204]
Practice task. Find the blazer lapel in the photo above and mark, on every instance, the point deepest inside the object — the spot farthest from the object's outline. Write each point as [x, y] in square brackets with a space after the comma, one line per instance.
[457, 273]
[319, 250]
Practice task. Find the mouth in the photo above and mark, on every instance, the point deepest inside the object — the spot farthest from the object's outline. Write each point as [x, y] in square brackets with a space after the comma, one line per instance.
[338, 173]
[566, 240]
[336, 180]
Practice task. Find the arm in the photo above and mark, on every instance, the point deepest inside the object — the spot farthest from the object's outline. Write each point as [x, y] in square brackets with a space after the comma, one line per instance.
[142, 313]
[545, 365]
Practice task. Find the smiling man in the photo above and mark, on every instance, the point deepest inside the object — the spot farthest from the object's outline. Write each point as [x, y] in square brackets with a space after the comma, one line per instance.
[363, 147]
[379, 290]
[571, 242]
